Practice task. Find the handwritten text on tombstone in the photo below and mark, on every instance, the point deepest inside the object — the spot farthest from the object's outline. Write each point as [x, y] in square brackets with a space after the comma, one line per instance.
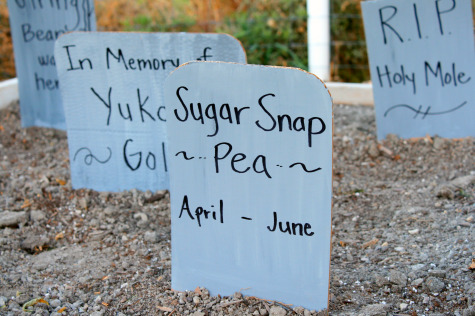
[422, 61]
[35, 26]
[112, 91]
[250, 180]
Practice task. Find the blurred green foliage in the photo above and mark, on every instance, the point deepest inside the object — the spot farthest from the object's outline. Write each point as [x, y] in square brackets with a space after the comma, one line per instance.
[273, 32]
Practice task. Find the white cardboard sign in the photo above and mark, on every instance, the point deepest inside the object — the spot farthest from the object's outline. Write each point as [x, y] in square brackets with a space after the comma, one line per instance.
[422, 60]
[251, 181]
[35, 25]
[111, 85]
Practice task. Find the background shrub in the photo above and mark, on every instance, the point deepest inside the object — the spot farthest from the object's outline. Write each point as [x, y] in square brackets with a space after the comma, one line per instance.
[273, 32]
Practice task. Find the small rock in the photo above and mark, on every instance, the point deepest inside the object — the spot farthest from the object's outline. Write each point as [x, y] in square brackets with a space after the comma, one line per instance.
[438, 142]
[413, 232]
[403, 306]
[83, 203]
[277, 311]
[469, 311]
[398, 278]
[434, 285]
[55, 303]
[463, 182]
[151, 237]
[37, 216]
[12, 219]
[196, 299]
[32, 242]
[374, 310]
[3, 301]
[438, 273]
[197, 313]
[373, 150]
[445, 192]
[399, 249]
[142, 217]
[109, 210]
[417, 282]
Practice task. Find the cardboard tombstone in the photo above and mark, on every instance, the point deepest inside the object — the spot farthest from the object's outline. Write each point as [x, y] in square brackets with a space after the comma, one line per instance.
[422, 62]
[111, 85]
[35, 25]
[251, 181]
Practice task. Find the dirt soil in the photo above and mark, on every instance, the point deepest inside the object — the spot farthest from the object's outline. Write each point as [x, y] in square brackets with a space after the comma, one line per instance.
[403, 237]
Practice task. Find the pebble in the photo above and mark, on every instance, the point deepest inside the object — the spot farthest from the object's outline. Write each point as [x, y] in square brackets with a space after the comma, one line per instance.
[374, 310]
[417, 282]
[12, 219]
[438, 273]
[434, 285]
[140, 234]
[32, 242]
[469, 311]
[151, 236]
[37, 216]
[55, 303]
[373, 150]
[397, 278]
[403, 306]
[277, 311]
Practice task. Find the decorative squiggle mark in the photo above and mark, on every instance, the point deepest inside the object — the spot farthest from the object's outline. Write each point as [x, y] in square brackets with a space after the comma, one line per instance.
[89, 158]
[304, 167]
[419, 110]
[184, 155]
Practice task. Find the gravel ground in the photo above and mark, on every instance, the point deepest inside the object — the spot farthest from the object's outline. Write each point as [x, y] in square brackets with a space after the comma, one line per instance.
[403, 220]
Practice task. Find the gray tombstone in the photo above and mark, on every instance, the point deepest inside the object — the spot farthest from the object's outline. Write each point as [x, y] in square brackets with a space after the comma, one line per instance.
[422, 62]
[111, 85]
[251, 181]
[35, 26]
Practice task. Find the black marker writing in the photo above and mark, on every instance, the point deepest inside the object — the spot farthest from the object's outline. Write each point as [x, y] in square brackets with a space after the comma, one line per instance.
[210, 112]
[134, 160]
[298, 124]
[201, 213]
[125, 110]
[139, 64]
[419, 110]
[46, 60]
[184, 155]
[89, 157]
[392, 78]
[453, 76]
[304, 167]
[81, 63]
[45, 83]
[205, 55]
[223, 150]
[290, 228]
[384, 22]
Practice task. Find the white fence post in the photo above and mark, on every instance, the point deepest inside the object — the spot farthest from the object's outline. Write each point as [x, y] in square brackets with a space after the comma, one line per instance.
[318, 29]
[8, 92]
